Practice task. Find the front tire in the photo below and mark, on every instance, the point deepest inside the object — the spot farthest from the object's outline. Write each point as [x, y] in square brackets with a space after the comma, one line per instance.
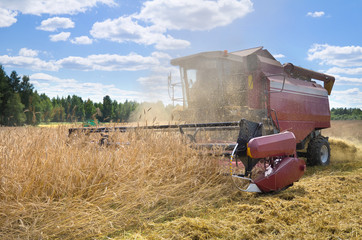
[319, 152]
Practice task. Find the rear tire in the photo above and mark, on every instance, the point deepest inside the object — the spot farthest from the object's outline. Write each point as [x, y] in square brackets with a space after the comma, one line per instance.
[319, 152]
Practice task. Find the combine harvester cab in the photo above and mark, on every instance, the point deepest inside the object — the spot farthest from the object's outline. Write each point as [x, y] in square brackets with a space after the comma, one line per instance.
[282, 110]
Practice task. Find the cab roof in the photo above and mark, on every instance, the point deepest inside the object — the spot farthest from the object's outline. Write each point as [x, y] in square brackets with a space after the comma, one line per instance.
[233, 56]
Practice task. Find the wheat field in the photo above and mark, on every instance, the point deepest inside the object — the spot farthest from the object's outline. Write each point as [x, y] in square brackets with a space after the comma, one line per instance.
[154, 186]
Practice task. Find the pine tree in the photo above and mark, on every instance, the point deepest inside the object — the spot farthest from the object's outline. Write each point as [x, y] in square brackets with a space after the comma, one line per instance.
[89, 109]
[46, 107]
[14, 115]
[107, 109]
[14, 81]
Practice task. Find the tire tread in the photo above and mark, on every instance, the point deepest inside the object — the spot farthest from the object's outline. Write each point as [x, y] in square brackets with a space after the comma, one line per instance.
[313, 151]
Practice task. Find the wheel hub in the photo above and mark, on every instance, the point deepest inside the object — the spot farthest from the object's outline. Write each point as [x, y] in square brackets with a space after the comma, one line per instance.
[324, 154]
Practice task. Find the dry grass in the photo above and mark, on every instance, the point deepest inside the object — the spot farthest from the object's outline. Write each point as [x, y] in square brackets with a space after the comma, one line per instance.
[324, 204]
[53, 187]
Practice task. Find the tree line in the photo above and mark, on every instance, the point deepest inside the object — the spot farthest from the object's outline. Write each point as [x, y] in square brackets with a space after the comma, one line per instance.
[346, 114]
[20, 104]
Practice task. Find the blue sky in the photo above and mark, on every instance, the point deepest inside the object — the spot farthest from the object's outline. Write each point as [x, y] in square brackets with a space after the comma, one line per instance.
[122, 48]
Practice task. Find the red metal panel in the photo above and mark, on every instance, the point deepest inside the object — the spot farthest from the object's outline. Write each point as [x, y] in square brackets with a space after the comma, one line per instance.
[301, 106]
[281, 144]
[288, 171]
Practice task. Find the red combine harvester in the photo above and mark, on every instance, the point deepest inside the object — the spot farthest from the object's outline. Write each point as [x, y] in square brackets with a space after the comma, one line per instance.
[282, 112]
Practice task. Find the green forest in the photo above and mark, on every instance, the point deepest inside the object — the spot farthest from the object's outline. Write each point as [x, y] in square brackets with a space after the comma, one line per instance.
[346, 114]
[20, 104]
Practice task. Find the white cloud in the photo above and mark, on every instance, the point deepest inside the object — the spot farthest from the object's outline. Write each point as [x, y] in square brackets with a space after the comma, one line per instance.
[279, 55]
[315, 14]
[150, 25]
[342, 80]
[9, 8]
[25, 52]
[28, 62]
[82, 40]
[194, 14]
[45, 77]
[101, 62]
[109, 62]
[121, 30]
[126, 29]
[346, 56]
[7, 17]
[155, 85]
[168, 42]
[54, 86]
[349, 71]
[37, 7]
[155, 82]
[53, 24]
[63, 36]
[157, 79]
[161, 55]
[346, 60]
[347, 98]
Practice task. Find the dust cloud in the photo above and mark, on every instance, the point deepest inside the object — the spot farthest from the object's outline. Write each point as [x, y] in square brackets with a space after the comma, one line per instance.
[152, 114]
[215, 90]
[350, 130]
[345, 139]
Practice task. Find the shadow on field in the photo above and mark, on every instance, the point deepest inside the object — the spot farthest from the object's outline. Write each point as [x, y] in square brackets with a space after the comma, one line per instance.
[287, 194]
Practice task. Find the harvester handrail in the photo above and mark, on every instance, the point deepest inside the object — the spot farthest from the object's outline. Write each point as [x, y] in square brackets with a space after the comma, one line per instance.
[276, 118]
[274, 75]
